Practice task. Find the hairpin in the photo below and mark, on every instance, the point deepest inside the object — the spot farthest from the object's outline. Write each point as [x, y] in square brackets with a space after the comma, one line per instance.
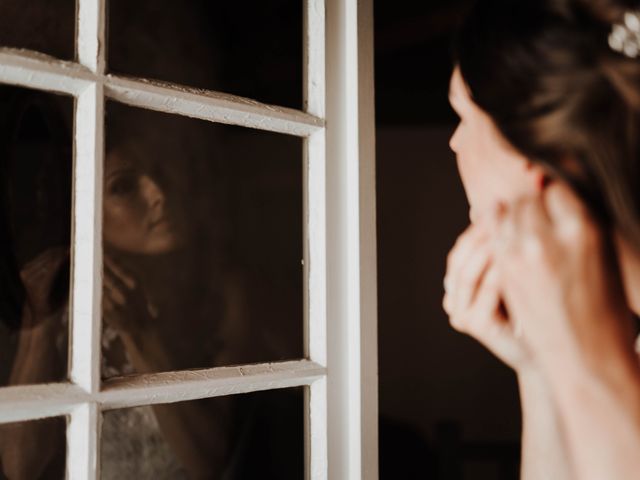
[625, 37]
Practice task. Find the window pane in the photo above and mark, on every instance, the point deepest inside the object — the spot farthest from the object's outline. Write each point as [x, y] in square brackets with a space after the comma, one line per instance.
[203, 244]
[34, 449]
[46, 26]
[252, 49]
[256, 435]
[35, 219]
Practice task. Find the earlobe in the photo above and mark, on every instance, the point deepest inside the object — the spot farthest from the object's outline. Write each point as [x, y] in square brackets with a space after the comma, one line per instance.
[538, 176]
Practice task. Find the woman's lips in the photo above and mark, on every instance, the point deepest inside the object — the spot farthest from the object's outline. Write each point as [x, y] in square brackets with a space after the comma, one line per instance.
[160, 224]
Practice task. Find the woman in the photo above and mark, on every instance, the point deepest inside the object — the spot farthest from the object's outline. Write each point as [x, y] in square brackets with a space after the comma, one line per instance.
[171, 299]
[191, 438]
[547, 276]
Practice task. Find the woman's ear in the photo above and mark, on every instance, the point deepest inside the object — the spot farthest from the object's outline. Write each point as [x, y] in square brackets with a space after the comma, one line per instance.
[537, 176]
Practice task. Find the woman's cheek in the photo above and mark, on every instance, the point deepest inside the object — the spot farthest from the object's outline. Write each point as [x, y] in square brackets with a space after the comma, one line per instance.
[120, 221]
[472, 181]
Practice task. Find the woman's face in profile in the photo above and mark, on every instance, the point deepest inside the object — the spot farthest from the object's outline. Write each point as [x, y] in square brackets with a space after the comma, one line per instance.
[135, 216]
[491, 170]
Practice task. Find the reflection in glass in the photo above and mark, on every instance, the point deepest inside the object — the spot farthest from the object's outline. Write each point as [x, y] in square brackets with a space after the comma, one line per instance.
[35, 213]
[251, 436]
[252, 49]
[46, 26]
[202, 244]
[34, 449]
[35, 216]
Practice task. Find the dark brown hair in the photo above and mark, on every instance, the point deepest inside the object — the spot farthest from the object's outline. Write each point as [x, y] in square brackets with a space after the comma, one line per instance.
[544, 72]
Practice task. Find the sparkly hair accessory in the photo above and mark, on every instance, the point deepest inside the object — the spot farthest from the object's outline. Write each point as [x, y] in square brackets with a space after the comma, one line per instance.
[625, 37]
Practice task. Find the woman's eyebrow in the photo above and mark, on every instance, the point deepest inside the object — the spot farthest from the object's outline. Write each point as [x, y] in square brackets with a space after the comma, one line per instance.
[119, 171]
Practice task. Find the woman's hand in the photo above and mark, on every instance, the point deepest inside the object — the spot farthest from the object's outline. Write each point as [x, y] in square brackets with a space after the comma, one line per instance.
[39, 278]
[473, 299]
[125, 306]
[559, 277]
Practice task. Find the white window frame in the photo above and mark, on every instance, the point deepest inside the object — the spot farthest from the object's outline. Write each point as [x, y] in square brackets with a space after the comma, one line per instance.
[337, 124]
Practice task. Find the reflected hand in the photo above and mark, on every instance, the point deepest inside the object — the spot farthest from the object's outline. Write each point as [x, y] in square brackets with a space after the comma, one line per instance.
[39, 277]
[473, 297]
[124, 304]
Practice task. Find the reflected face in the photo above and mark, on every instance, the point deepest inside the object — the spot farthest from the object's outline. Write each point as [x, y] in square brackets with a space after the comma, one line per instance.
[135, 214]
[490, 168]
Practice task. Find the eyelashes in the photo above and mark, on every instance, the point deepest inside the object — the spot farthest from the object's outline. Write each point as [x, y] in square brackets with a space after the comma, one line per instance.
[123, 185]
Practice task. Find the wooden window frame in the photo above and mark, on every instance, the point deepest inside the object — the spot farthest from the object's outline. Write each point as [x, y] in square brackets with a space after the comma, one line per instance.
[337, 125]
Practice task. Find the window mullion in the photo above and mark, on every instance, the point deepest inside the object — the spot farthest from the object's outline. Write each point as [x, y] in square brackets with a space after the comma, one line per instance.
[352, 385]
[91, 35]
[82, 442]
[86, 256]
[314, 239]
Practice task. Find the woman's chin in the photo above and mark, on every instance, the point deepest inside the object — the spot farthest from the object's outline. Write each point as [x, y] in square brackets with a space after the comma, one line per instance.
[158, 242]
[166, 244]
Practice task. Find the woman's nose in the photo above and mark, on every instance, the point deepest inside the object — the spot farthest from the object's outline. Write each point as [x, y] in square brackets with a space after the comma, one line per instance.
[151, 192]
[453, 141]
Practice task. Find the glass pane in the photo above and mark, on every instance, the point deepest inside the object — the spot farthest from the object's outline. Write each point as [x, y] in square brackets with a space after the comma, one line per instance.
[251, 436]
[35, 226]
[203, 244]
[46, 26]
[34, 449]
[252, 49]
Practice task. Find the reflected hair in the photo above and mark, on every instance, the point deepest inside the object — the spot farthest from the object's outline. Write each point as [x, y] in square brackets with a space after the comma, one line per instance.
[35, 190]
[544, 72]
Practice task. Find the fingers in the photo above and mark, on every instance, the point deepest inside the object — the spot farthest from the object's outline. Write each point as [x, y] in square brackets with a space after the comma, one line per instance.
[485, 308]
[469, 278]
[107, 304]
[119, 272]
[562, 203]
[572, 220]
[481, 310]
[46, 264]
[113, 291]
[467, 262]
[488, 296]
[117, 284]
[522, 228]
[463, 249]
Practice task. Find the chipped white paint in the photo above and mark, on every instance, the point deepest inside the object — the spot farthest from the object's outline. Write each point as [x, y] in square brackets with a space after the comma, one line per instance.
[31, 402]
[38, 401]
[194, 384]
[86, 287]
[316, 441]
[29, 69]
[315, 300]
[83, 442]
[91, 35]
[351, 246]
[314, 58]
[39, 71]
[315, 255]
[212, 106]
[315, 247]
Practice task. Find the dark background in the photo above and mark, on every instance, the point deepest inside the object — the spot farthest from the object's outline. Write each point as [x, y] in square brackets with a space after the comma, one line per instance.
[449, 410]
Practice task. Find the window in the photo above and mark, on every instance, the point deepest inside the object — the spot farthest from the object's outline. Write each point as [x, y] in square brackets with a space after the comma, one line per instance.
[337, 372]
